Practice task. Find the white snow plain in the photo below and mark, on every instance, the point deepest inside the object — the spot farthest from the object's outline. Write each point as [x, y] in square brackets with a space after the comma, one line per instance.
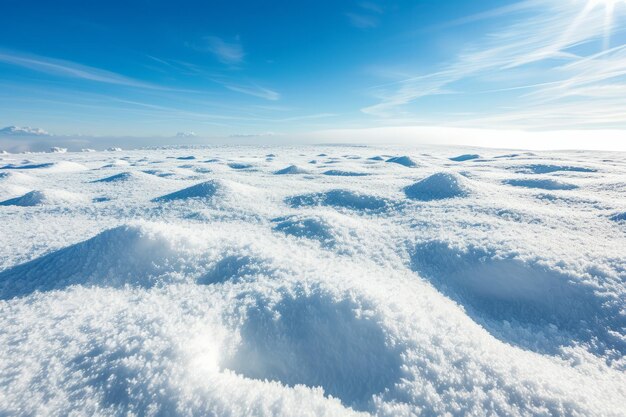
[313, 281]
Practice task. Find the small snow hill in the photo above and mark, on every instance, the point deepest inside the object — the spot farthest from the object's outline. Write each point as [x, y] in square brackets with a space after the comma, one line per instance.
[290, 170]
[44, 198]
[439, 186]
[403, 160]
[124, 177]
[204, 190]
[465, 157]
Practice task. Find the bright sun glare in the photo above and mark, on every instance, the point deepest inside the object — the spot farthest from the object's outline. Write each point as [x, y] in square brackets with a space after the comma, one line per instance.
[609, 6]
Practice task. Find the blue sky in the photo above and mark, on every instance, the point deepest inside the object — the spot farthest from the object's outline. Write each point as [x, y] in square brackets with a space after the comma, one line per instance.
[154, 67]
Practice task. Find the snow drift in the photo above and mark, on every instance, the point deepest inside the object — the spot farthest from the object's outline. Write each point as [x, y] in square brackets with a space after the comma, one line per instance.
[135, 255]
[203, 190]
[45, 197]
[438, 186]
[406, 161]
[291, 169]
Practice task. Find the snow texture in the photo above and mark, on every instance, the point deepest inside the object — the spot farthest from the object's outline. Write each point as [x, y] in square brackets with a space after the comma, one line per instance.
[229, 281]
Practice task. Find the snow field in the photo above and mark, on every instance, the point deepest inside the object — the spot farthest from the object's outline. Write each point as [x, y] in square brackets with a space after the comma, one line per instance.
[229, 288]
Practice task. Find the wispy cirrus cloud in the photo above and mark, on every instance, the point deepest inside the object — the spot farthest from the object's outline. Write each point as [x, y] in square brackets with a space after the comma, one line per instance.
[362, 21]
[227, 52]
[69, 69]
[254, 90]
[557, 37]
[227, 79]
[366, 16]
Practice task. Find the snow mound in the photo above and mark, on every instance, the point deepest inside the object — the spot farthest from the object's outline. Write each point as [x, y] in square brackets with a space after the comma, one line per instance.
[514, 290]
[159, 173]
[465, 157]
[239, 165]
[317, 340]
[44, 165]
[56, 149]
[308, 227]
[438, 186]
[16, 177]
[204, 190]
[117, 163]
[291, 169]
[123, 177]
[136, 255]
[340, 173]
[546, 169]
[376, 158]
[403, 160]
[340, 198]
[45, 198]
[544, 184]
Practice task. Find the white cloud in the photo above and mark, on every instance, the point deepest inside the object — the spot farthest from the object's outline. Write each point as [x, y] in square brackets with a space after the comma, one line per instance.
[23, 131]
[362, 21]
[70, 69]
[226, 52]
[186, 135]
[488, 138]
[254, 90]
[366, 17]
[545, 36]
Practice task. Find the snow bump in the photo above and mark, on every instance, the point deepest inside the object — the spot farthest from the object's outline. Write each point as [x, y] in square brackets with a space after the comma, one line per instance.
[341, 199]
[439, 186]
[203, 190]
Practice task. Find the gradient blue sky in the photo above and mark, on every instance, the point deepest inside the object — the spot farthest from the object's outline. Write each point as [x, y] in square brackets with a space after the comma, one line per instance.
[248, 67]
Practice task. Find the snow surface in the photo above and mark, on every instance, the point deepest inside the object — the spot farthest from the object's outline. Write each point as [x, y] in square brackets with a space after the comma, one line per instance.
[201, 281]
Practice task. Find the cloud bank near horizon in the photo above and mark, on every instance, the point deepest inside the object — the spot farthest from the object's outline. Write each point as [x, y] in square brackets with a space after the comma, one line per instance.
[608, 140]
